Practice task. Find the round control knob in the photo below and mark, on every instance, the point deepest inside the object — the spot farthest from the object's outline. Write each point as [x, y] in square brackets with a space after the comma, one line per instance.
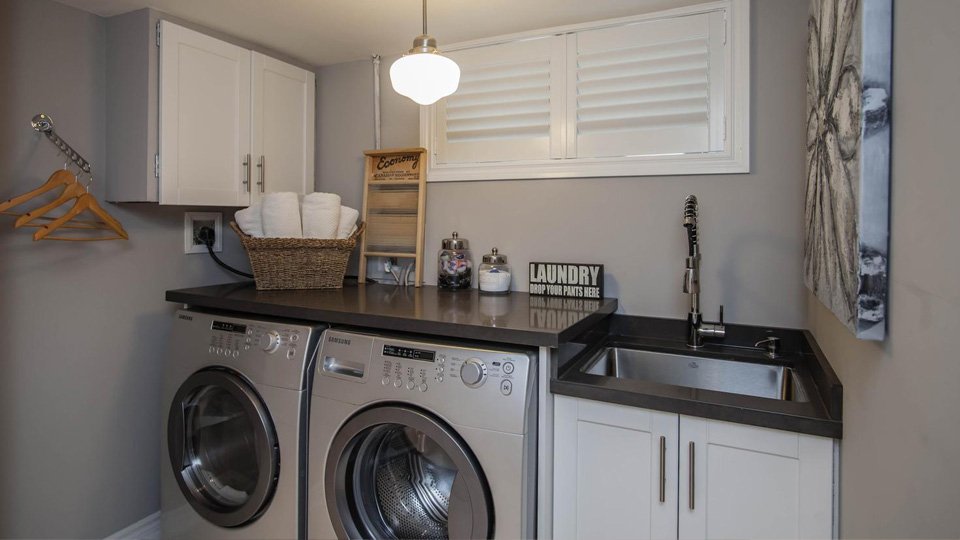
[473, 372]
[271, 341]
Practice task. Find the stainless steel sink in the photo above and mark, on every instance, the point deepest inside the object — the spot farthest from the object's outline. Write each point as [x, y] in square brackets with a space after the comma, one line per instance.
[745, 378]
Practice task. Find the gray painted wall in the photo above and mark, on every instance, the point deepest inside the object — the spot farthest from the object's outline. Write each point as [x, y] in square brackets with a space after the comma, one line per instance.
[900, 476]
[83, 325]
[751, 224]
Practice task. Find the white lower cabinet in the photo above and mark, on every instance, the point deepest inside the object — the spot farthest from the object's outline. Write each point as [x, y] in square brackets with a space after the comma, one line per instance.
[719, 480]
[610, 464]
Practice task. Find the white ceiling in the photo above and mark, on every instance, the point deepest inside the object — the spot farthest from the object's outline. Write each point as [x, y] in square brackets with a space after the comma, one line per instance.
[322, 32]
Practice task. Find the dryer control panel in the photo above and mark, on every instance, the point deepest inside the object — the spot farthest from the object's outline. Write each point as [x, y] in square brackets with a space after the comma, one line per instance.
[272, 352]
[229, 338]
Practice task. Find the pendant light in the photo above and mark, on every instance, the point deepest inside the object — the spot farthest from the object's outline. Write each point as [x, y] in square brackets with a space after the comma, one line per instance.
[423, 74]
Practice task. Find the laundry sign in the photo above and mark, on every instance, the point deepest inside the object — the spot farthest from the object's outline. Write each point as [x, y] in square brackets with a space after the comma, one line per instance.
[566, 279]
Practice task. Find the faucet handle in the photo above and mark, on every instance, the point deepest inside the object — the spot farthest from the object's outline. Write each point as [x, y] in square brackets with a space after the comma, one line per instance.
[721, 315]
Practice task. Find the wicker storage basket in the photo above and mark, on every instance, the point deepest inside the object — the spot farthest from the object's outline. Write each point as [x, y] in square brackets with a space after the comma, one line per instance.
[298, 263]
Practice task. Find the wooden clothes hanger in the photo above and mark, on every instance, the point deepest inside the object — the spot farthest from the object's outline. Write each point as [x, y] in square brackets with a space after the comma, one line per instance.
[73, 190]
[62, 177]
[85, 201]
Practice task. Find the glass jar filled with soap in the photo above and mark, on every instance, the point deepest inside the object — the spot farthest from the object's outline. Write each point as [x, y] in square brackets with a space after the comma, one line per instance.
[455, 267]
[495, 273]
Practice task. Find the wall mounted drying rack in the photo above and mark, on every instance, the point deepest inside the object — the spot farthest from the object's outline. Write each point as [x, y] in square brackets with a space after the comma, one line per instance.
[44, 124]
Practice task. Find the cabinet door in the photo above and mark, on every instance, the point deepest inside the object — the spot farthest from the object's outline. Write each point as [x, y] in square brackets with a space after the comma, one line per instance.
[283, 127]
[615, 471]
[204, 119]
[741, 481]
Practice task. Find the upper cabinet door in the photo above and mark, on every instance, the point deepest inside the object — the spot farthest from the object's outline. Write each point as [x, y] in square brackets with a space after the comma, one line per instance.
[740, 481]
[283, 127]
[615, 471]
[651, 87]
[508, 104]
[204, 119]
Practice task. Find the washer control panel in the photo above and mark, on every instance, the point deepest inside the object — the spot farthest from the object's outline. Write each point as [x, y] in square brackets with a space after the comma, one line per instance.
[403, 366]
[489, 371]
[470, 386]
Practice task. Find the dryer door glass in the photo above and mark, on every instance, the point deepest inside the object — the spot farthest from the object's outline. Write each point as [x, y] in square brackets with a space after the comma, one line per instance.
[404, 474]
[223, 448]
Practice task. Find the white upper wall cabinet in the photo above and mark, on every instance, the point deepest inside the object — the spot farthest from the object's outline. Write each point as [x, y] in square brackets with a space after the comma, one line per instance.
[194, 119]
[283, 127]
[656, 94]
[234, 124]
[204, 119]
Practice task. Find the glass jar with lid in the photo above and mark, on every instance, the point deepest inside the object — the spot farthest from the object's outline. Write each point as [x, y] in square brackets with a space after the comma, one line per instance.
[495, 273]
[455, 267]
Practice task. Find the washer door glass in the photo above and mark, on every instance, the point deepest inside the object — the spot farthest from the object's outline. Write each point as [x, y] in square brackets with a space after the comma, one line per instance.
[223, 448]
[399, 473]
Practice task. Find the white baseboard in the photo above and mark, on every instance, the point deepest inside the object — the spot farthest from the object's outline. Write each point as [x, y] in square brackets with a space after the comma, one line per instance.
[147, 528]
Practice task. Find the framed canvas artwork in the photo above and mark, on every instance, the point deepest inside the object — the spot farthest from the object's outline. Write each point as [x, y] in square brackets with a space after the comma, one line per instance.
[847, 209]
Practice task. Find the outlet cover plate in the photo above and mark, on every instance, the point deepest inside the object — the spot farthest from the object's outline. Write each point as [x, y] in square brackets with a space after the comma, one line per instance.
[192, 221]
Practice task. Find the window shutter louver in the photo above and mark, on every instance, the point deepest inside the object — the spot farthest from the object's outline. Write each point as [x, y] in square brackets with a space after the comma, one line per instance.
[644, 89]
[504, 107]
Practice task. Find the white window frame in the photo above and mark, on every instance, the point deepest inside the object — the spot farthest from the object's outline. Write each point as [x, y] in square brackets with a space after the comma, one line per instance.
[734, 159]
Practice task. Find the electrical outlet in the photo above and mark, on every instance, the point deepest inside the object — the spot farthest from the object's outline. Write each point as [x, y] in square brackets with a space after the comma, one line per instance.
[193, 222]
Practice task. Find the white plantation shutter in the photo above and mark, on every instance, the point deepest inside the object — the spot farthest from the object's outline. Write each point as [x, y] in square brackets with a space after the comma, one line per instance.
[647, 88]
[652, 94]
[508, 105]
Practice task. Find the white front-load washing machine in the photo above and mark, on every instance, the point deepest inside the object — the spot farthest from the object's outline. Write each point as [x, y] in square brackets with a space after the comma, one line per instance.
[415, 439]
[236, 395]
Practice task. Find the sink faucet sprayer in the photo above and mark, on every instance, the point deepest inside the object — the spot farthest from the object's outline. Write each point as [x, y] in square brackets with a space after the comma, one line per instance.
[697, 330]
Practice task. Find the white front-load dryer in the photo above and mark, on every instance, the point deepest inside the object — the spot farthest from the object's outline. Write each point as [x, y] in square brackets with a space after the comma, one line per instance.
[415, 439]
[235, 398]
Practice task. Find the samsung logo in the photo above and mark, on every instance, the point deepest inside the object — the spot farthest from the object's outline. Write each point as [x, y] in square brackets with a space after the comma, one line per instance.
[185, 317]
[340, 340]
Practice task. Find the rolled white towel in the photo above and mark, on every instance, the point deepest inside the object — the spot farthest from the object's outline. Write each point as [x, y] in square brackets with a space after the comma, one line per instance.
[348, 222]
[281, 215]
[321, 215]
[250, 221]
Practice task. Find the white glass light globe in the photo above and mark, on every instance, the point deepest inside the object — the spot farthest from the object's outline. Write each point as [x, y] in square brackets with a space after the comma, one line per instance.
[425, 77]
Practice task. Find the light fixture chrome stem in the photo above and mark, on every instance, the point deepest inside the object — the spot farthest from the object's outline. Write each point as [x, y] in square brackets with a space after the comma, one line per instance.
[424, 17]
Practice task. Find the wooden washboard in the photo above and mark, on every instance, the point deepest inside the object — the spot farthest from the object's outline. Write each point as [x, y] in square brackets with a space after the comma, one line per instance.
[394, 202]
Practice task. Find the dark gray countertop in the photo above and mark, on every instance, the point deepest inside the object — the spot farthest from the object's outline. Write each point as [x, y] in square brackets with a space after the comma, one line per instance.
[821, 415]
[517, 318]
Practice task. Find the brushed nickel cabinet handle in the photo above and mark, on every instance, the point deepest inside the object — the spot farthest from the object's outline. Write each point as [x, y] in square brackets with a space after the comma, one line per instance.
[263, 174]
[246, 173]
[693, 468]
[663, 469]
